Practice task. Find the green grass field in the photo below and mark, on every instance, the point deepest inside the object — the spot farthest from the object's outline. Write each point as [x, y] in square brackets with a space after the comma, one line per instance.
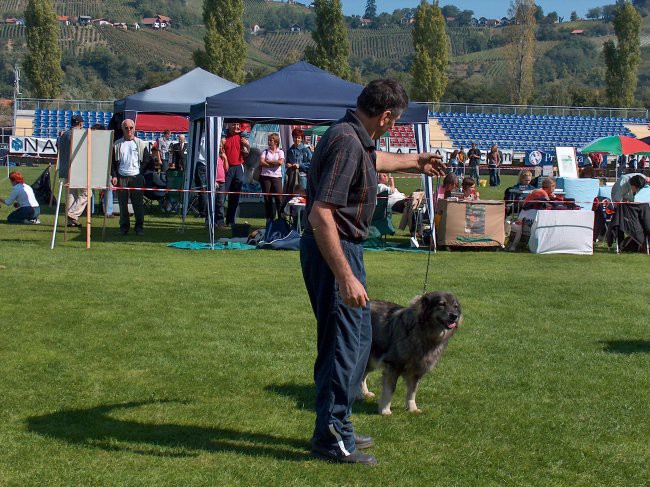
[135, 364]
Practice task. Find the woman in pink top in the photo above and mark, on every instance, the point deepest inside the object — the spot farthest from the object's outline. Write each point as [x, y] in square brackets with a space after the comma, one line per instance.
[271, 161]
[220, 197]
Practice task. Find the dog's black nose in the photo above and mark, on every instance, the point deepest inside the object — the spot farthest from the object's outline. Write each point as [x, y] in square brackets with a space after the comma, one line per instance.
[453, 316]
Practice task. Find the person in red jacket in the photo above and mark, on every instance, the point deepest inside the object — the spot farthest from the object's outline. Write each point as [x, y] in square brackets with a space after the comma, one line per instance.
[235, 147]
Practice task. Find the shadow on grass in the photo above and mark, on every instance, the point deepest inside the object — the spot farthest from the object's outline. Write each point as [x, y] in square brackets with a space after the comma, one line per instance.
[95, 428]
[304, 396]
[627, 347]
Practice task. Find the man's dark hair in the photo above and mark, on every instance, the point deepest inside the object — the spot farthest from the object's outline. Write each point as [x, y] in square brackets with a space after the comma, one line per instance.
[637, 181]
[380, 95]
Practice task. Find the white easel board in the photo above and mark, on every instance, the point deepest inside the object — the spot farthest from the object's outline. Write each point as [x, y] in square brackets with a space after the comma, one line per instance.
[567, 163]
[100, 158]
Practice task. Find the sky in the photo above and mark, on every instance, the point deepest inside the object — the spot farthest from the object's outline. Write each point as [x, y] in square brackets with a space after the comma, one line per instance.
[482, 8]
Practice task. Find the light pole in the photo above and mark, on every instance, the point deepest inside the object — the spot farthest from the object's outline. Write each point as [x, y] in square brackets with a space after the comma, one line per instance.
[16, 93]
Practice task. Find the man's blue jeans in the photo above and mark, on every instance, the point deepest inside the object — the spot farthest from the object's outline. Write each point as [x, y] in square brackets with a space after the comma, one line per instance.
[23, 213]
[344, 336]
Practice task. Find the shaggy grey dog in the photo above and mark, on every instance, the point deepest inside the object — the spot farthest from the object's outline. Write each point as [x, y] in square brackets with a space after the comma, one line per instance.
[408, 342]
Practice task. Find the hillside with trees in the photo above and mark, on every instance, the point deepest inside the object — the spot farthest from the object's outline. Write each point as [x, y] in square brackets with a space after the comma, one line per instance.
[569, 67]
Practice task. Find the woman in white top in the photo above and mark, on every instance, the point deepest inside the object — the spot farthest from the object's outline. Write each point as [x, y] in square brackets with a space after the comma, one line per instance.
[271, 161]
[22, 196]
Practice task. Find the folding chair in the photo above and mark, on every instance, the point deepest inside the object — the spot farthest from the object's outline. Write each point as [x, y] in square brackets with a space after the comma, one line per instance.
[382, 219]
[173, 202]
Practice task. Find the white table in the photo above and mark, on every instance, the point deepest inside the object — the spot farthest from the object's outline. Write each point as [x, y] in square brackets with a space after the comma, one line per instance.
[562, 232]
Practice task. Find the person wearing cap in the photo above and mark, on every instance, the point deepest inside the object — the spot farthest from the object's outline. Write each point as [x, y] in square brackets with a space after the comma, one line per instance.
[77, 197]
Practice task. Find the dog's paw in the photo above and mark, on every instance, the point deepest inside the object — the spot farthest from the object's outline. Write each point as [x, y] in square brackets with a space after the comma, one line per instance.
[415, 411]
[369, 395]
[385, 412]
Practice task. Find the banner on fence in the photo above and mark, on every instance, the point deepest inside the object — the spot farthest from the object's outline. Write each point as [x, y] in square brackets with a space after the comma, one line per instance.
[539, 158]
[32, 145]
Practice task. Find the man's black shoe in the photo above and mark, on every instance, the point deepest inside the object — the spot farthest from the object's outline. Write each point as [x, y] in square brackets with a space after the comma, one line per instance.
[355, 457]
[363, 441]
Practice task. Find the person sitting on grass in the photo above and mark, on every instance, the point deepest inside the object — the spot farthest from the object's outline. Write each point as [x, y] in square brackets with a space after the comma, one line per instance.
[468, 187]
[22, 197]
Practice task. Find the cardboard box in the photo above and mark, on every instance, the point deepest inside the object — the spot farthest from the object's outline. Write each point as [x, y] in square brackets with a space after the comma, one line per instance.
[471, 223]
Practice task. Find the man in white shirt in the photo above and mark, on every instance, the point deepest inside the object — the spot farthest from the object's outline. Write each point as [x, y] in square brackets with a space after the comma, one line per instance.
[387, 183]
[128, 153]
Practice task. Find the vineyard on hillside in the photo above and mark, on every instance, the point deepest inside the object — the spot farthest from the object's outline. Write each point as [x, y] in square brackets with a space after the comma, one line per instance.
[75, 38]
[280, 44]
[92, 8]
[493, 62]
[386, 43]
[381, 44]
[255, 10]
[171, 49]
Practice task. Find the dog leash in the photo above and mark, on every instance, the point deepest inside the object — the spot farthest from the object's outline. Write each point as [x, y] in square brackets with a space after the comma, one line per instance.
[432, 225]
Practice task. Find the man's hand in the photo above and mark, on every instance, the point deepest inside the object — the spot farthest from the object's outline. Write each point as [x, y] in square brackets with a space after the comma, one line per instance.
[353, 293]
[114, 181]
[431, 164]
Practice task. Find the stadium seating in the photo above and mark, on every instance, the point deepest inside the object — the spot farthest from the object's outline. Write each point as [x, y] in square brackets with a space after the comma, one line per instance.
[530, 132]
[49, 123]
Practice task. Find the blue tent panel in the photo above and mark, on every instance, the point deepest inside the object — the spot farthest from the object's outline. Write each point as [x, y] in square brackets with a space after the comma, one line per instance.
[299, 93]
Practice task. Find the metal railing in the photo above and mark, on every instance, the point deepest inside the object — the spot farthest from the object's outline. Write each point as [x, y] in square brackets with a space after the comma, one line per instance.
[57, 104]
[537, 110]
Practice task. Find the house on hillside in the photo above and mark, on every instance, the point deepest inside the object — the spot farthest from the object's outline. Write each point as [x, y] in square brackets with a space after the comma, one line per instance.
[121, 26]
[295, 28]
[157, 22]
[506, 21]
[365, 22]
[255, 29]
[63, 19]
[102, 22]
[84, 20]
[473, 22]
[11, 20]
[578, 32]
[407, 19]
[449, 19]
[483, 22]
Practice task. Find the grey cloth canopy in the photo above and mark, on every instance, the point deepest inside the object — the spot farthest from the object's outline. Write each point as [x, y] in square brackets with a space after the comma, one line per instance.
[177, 96]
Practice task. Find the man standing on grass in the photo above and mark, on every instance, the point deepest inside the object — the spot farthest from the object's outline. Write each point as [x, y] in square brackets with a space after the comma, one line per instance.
[77, 197]
[342, 193]
[128, 153]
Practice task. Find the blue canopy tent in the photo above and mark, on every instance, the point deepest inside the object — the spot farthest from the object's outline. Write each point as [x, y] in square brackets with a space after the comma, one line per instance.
[298, 94]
